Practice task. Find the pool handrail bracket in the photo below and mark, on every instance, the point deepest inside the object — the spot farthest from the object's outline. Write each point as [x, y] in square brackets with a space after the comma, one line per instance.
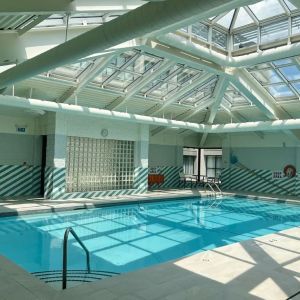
[65, 255]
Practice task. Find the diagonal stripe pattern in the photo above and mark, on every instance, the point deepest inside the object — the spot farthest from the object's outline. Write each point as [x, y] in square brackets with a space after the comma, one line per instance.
[172, 178]
[259, 181]
[16, 180]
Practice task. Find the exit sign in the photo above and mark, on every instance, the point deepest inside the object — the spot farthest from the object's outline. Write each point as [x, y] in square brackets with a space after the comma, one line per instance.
[21, 129]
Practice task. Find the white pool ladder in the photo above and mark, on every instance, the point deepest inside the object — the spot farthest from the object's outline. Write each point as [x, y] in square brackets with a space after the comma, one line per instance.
[215, 190]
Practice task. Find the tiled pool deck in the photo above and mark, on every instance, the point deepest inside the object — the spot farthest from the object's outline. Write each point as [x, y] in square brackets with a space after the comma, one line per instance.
[267, 267]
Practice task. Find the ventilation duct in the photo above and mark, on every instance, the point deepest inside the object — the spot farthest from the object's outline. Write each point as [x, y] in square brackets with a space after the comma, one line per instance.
[145, 19]
[34, 104]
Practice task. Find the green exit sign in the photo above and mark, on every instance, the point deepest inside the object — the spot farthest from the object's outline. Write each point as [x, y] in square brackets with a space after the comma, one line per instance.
[21, 129]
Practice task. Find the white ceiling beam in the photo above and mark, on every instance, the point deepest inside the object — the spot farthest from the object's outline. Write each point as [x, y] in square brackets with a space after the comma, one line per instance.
[140, 84]
[88, 74]
[235, 115]
[253, 92]
[187, 115]
[218, 95]
[181, 56]
[247, 85]
[216, 58]
[76, 110]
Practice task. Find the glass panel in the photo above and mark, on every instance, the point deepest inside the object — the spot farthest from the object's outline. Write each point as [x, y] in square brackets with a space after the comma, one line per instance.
[219, 162]
[282, 62]
[290, 5]
[210, 161]
[267, 9]
[226, 20]
[210, 173]
[200, 30]
[297, 86]
[296, 25]
[243, 19]
[143, 63]
[198, 95]
[235, 98]
[119, 61]
[291, 72]
[71, 71]
[266, 76]
[219, 39]
[188, 164]
[280, 91]
[275, 31]
[245, 39]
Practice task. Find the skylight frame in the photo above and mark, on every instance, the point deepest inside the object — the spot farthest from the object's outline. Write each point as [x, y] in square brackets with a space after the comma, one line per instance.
[286, 83]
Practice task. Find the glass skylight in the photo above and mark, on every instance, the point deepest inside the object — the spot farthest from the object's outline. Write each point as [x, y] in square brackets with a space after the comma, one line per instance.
[267, 9]
[170, 82]
[252, 27]
[126, 69]
[234, 98]
[200, 94]
[291, 72]
[70, 72]
[243, 19]
[280, 91]
[280, 78]
[226, 20]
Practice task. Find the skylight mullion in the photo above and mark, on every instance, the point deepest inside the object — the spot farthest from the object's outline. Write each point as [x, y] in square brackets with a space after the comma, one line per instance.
[197, 90]
[236, 12]
[252, 15]
[285, 7]
[122, 68]
[219, 17]
[162, 81]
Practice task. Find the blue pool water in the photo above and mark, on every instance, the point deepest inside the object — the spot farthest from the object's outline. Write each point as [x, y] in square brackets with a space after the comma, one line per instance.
[129, 237]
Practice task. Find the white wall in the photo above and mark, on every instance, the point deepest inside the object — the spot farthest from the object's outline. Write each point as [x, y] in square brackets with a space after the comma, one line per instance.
[272, 152]
[17, 147]
[9, 122]
[91, 127]
[165, 155]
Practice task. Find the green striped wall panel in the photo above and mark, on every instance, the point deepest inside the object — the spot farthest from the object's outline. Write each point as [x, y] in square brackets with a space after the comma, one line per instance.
[172, 178]
[18, 180]
[259, 181]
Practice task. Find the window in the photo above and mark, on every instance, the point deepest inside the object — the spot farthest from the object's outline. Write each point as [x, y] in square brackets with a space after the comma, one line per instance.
[189, 164]
[95, 164]
[213, 165]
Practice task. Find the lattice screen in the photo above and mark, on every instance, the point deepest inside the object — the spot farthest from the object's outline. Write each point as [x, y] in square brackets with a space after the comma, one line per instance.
[96, 165]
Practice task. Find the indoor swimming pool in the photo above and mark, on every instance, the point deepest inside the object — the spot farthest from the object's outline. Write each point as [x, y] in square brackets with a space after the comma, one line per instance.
[124, 238]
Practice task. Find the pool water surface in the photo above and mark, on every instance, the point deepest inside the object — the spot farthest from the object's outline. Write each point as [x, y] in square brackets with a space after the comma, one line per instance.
[129, 237]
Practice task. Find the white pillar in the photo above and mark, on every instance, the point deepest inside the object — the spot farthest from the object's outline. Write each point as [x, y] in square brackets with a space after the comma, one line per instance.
[141, 159]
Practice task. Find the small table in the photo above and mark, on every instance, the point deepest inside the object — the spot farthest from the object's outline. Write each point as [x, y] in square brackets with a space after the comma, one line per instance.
[155, 179]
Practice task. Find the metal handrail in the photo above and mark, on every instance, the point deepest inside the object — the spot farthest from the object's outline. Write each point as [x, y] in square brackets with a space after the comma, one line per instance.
[212, 189]
[65, 255]
[218, 188]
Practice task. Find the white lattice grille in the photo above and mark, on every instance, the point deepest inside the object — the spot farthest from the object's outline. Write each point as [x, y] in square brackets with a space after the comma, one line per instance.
[96, 165]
